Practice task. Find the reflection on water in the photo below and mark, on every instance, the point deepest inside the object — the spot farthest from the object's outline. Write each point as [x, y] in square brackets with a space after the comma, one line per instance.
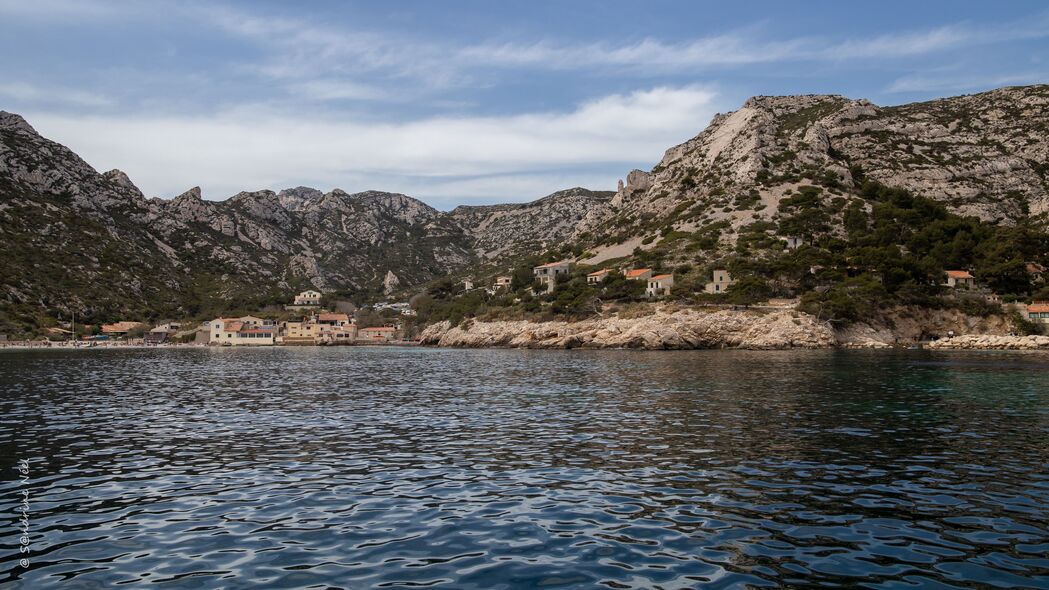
[360, 468]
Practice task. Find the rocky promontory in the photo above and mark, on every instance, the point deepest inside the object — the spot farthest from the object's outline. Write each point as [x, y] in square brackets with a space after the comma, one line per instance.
[664, 329]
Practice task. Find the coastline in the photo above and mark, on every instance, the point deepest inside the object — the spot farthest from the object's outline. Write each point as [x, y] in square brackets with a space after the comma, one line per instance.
[668, 328]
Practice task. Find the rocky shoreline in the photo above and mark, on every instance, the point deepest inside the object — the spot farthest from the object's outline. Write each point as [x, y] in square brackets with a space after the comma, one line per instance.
[661, 330]
[990, 342]
[755, 329]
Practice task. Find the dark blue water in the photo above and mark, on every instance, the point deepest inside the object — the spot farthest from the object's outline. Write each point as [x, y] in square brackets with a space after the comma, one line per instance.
[374, 468]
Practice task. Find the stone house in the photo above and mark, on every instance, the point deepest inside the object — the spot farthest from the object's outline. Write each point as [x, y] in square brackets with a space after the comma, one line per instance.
[721, 283]
[659, 286]
[503, 282]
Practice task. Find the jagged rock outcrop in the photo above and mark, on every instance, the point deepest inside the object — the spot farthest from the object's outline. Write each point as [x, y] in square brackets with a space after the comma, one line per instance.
[665, 329]
[501, 231]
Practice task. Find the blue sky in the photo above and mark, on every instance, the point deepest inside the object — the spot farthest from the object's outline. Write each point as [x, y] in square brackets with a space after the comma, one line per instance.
[464, 102]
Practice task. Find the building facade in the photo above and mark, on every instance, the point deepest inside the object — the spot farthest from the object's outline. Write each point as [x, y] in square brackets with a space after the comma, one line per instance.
[547, 274]
[721, 283]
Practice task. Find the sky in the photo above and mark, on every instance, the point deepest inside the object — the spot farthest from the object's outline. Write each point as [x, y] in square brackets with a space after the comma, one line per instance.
[464, 102]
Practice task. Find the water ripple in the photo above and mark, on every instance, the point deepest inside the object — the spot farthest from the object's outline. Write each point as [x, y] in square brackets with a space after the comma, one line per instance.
[420, 468]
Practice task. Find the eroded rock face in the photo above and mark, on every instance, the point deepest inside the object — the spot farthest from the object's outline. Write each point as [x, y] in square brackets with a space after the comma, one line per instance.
[983, 155]
[505, 230]
[663, 330]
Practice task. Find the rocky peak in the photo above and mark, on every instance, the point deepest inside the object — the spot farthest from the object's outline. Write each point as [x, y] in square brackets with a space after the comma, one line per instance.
[13, 122]
[121, 179]
[191, 194]
[294, 199]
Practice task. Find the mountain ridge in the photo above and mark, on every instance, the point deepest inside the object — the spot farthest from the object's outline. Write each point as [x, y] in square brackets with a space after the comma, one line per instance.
[982, 155]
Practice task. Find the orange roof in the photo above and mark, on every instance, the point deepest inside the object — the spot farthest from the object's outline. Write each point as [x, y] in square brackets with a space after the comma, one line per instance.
[636, 272]
[959, 274]
[603, 271]
[1038, 307]
[333, 317]
[1034, 267]
[658, 277]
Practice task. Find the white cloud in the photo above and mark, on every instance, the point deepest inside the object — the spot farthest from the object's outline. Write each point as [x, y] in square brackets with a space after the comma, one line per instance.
[962, 81]
[28, 93]
[252, 147]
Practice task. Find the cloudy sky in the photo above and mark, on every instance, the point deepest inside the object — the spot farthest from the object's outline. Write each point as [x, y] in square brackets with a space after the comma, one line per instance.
[464, 102]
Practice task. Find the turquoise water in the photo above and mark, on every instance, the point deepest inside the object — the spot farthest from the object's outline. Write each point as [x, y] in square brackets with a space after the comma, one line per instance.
[395, 468]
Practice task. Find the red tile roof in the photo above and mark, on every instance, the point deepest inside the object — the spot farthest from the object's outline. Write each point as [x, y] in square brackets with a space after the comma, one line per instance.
[658, 277]
[598, 273]
[1040, 307]
[636, 272]
[959, 274]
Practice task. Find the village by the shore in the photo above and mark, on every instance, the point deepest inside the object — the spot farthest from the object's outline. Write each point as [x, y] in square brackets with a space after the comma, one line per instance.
[776, 324]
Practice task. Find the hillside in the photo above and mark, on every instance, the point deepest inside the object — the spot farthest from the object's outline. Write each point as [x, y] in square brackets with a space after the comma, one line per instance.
[821, 170]
[77, 239]
[983, 155]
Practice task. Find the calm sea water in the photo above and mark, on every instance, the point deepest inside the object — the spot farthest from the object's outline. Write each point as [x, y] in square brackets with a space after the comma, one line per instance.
[384, 467]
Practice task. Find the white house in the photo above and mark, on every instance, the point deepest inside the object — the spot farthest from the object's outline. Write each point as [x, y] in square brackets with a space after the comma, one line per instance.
[246, 331]
[308, 298]
[547, 273]
[659, 286]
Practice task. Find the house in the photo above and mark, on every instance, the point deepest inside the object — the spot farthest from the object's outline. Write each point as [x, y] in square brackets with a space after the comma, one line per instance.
[162, 333]
[638, 274]
[547, 273]
[309, 297]
[503, 282]
[960, 279]
[659, 286]
[595, 278]
[296, 332]
[248, 330]
[722, 281]
[119, 328]
[794, 242]
[377, 334]
[468, 285]
[333, 319]
[1038, 312]
[334, 328]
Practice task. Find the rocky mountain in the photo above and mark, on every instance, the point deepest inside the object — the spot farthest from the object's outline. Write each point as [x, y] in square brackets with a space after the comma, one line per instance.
[793, 166]
[75, 239]
[983, 155]
[502, 231]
